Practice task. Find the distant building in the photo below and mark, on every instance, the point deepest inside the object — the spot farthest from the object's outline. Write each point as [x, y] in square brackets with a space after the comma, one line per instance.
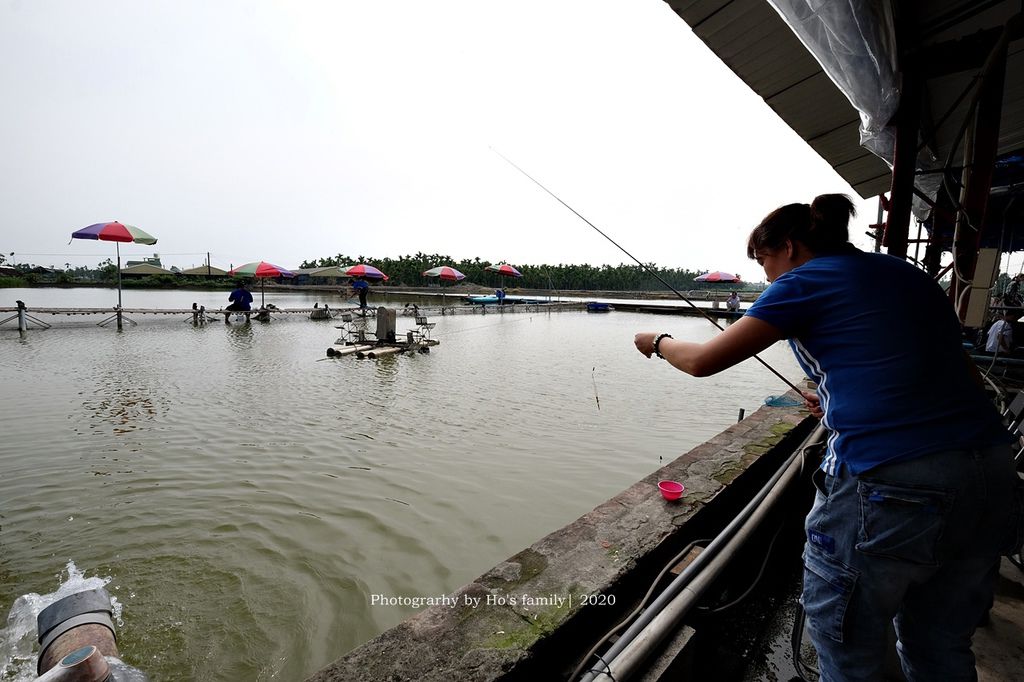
[205, 271]
[155, 260]
[143, 269]
[331, 275]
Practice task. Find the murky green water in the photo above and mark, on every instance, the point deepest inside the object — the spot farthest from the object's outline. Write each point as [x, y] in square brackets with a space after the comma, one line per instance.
[246, 495]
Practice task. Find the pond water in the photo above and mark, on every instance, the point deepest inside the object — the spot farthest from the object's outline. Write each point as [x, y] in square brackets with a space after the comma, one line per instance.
[245, 495]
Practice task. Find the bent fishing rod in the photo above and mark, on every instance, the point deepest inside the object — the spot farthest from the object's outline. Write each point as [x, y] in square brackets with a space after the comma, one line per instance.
[645, 267]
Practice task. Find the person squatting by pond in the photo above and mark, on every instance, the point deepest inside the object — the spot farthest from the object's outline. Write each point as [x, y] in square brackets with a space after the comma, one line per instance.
[241, 301]
[917, 495]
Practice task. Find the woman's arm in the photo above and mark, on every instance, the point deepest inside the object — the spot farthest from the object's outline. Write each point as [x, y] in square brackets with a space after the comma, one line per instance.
[745, 337]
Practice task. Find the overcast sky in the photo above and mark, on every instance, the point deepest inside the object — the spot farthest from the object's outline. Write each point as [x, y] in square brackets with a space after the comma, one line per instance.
[284, 131]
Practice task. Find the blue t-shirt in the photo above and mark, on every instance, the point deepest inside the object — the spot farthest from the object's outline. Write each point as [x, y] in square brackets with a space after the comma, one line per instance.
[241, 297]
[359, 284]
[882, 341]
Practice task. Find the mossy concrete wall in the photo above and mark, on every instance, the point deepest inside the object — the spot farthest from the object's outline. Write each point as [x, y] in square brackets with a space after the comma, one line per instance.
[506, 617]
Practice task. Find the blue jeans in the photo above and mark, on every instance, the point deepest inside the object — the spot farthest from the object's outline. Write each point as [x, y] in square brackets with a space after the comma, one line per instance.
[916, 544]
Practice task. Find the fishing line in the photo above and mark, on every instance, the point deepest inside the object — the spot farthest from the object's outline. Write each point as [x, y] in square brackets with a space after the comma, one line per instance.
[501, 322]
[646, 268]
[594, 379]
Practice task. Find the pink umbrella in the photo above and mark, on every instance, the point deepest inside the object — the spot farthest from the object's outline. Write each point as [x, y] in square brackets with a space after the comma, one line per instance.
[363, 270]
[718, 276]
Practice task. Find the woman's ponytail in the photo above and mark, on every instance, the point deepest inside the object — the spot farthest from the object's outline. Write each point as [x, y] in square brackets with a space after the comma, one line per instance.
[830, 219]
[823, 226]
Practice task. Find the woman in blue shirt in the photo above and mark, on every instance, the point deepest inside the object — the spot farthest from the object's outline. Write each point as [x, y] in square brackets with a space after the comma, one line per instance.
[916, 493]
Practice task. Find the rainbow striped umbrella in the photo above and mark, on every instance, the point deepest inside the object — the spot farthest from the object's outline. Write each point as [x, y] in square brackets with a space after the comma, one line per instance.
[261, 270]
[115, 232]
[444, 272]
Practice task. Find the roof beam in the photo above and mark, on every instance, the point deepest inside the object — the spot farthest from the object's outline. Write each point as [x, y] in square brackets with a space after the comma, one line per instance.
[964, 54]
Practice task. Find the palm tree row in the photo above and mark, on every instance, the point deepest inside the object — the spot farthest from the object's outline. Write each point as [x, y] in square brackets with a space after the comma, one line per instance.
[407, 271]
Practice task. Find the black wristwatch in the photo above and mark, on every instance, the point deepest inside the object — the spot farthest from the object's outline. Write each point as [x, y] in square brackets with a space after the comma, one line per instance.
[657, 344]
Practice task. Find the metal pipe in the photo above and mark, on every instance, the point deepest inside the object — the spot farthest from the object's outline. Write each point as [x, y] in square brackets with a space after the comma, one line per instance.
[73, 622]
[83, 665]
[118, 247]
[76, 634]
[622, 659]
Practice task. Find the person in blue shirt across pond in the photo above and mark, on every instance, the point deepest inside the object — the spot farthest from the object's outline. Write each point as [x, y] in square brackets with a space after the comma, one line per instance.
[500, 295]
[240, 301]
[917, 495]
[361, 287]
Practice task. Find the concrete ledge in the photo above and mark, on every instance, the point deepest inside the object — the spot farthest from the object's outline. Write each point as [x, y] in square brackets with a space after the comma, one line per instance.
[527, 614]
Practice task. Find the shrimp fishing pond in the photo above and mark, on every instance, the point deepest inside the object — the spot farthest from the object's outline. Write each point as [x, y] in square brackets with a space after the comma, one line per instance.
[247, 496]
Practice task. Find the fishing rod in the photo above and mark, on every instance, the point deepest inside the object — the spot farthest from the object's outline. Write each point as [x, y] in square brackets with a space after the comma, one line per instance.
[645, 267]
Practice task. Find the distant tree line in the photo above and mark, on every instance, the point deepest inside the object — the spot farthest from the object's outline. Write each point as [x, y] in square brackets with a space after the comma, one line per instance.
[407, 271]
[402, 271]
[26, 274]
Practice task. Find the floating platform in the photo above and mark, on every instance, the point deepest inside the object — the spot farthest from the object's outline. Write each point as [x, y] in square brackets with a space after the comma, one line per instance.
[358, 341]
[372, 351]
[504, 300]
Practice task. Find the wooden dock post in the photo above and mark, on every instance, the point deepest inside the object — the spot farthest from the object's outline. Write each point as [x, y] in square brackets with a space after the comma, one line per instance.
[21, 314]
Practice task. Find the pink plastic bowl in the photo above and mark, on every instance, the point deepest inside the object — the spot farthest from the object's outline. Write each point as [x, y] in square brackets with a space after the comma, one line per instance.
[671, 490]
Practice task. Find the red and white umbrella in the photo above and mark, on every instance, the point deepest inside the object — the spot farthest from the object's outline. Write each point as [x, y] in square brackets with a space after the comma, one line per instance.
[504, 270]
[445, 272]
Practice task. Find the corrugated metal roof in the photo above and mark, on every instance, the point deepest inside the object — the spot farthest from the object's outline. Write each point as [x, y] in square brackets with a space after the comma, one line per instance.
[205, 270]
[145, 269]
[752, 39]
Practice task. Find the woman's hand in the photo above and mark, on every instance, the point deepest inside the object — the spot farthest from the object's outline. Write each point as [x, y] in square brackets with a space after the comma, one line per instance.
[644, 342]
[813, 403]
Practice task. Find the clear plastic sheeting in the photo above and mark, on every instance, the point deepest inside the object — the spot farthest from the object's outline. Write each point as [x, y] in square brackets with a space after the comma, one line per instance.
[854, 41]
